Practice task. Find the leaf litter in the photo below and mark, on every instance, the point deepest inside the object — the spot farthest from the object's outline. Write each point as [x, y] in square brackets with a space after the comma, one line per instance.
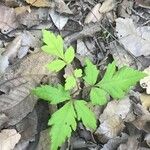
[110, 29]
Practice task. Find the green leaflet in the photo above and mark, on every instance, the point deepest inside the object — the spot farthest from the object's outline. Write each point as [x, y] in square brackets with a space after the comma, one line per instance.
[62, 122]
[78, 73]
[85, 114]
[91, 73]
[70, 82]
[52, 94]
[98, 96]
[69, 55]
[56, 65]
[54, 44]
[116, 83]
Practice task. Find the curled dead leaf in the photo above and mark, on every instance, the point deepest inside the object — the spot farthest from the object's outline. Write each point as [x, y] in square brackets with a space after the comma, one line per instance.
[9, 138]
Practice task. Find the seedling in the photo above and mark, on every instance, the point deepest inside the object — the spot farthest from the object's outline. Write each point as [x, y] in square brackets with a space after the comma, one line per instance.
[115, 83]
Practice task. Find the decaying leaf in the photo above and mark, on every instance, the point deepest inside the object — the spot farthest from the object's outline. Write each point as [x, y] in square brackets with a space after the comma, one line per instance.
[143, 3]
[59, 20]
[107, 6]
[32, 17]
[94, 15]
[27, 127]
[4, 63]
[112, 144]
[44, 142]
[62, 7]
[9, 53]
[121, 57]
[12, 48]
[136, 40]
[20, 82]
[131, 144]
[8, 139]
[18, 102]
[8, 20]
[28, 41]
[145, 82]
[3, 119]
[110, 128]
[142, 118]
[39, 3]
[145, 100]
[147, 139]
[113, 117]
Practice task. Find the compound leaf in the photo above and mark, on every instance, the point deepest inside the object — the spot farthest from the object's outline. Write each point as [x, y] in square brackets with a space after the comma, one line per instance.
[54, 44]
[69, 55]
[62, 122]
[117, 83]
[70, 82]
[52, 94]
[98, 96]
[85, 114]
[91, 73]
[78, 73]
[56, 65]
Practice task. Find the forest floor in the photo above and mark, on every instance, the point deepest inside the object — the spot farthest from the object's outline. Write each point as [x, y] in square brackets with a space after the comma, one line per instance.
[102, 30]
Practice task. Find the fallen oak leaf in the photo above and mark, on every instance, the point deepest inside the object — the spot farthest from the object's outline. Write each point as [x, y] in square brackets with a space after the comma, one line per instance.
[39, 3]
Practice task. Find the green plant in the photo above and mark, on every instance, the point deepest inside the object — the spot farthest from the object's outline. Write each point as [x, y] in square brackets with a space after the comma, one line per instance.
[115, 83]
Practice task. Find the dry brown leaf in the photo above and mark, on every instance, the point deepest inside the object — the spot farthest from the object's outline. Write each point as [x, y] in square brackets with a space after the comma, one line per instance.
[135, 40]
[8, 20]
[8, 139]
[145, 100]
[94, 15]
[145, 82]
[131, 144]
[9, 53]
[18, 100]
[44, 141]
[143, 3]
[122, 108]
[61, 7]
[142, 118]
[59, 20]
[147, 139]
[121, 56]
[20, 10]
[12, 48]
[28, 18]
[112, 144]
[107, 6]
[113, 117]
[39, 3]
[110, 128]
[29, 40]
[3, 119]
